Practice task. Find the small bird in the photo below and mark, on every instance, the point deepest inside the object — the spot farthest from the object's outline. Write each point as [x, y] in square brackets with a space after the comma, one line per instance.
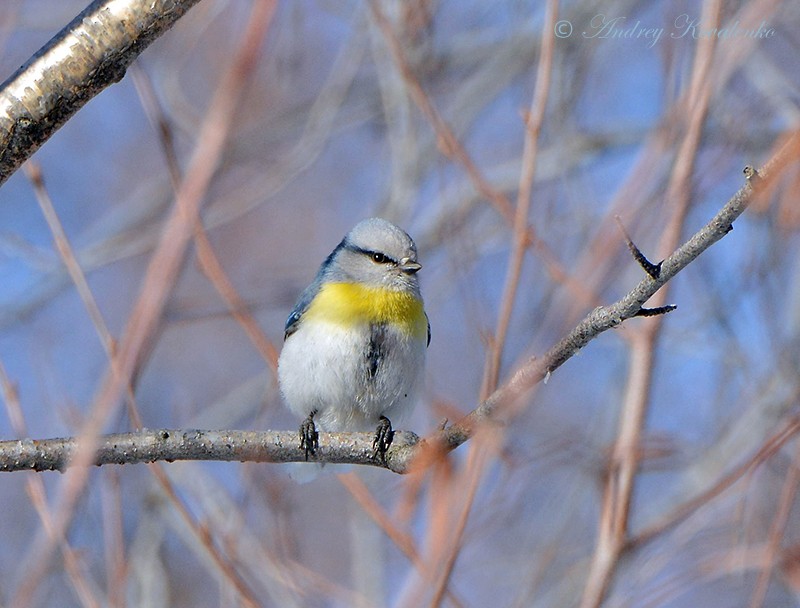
[354, 347]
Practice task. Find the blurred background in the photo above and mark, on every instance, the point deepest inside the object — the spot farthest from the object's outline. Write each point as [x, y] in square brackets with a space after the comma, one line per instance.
[416, 111]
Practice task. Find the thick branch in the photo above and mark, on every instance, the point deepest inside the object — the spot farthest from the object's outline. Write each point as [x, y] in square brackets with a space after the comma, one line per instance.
[150, 445]
[90, 53]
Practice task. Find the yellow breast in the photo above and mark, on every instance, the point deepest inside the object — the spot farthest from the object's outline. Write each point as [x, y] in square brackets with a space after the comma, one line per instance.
[348, 304]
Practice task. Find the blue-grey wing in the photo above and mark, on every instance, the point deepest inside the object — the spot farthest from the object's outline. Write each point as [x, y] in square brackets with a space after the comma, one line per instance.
[303, 302]
[429, 328]
[309, 293]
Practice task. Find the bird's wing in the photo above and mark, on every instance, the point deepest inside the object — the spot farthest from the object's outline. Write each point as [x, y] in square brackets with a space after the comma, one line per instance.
[300, 308]
[429, 328]
[309, 293]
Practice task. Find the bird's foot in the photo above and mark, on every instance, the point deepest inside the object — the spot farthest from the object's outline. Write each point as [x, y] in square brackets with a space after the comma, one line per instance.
[383, 438]
[309, 437]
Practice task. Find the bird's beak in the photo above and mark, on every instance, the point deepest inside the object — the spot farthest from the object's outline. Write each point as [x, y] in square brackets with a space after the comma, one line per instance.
[408, 266]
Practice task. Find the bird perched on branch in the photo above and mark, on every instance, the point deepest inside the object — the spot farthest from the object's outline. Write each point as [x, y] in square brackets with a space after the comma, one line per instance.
[354, 347]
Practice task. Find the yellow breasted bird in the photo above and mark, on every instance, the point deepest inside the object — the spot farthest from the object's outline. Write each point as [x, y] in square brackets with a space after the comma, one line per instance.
[354, 347]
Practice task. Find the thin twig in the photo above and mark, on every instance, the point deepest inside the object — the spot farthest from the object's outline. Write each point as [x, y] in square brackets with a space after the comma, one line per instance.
[35, 489]
[657, 311]
[450, 146]
[625, 460]
[36, 492]
[463, 491]
[34, 173]
[600, 320]
[777, 529]
[652, 269]
[768, 449]
[402, 540]
[76, 273]
[113, 539]
[533, 121]
[209, 262]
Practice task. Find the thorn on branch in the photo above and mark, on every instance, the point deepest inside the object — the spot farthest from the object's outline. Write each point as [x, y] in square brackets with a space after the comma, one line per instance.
[654, 270]
[654, 312]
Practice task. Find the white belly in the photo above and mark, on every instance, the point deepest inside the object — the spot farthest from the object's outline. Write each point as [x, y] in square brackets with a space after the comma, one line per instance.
[325, 368]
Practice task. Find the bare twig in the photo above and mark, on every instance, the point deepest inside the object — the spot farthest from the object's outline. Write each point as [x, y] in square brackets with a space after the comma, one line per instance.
[35, 486]
[450, 146]
[625, 456]
[533, 120]
[402, 540]
[652, 269]
[768, 449]
[34, 173]
[777, 529]
[601, 319]
[461, 500]
[72, 561]
[533, 125]
[76, 273]
[36, 492]
[209, 262]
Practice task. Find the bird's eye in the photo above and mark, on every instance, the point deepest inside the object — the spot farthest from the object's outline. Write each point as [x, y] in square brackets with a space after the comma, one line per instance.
[380, 258]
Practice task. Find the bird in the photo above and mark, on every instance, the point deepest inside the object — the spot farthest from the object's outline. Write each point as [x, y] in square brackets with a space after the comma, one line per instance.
[355, 342]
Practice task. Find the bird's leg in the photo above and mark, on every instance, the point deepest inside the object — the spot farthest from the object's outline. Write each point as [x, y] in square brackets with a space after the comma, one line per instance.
[383, 438]
[309, 437]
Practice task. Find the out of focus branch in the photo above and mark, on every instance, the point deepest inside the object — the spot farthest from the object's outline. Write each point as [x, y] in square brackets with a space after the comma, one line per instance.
[93, 51]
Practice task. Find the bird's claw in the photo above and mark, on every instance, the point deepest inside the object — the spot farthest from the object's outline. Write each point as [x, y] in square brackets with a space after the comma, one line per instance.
[309, 437]
[383, 438]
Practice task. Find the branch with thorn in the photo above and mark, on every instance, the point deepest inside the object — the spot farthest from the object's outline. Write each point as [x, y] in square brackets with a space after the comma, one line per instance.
[653, 270]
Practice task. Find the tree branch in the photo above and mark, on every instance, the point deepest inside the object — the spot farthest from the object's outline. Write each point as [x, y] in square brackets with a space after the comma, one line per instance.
[93, 51]
[150, 445]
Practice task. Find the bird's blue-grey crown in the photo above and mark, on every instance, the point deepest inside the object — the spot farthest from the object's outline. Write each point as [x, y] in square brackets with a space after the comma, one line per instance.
[375, 253]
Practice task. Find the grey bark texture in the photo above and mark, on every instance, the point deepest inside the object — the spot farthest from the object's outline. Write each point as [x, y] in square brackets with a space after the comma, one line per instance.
[92, 52]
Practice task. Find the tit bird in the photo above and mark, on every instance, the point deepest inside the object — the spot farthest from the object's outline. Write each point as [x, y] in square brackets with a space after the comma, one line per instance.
[354, 347]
